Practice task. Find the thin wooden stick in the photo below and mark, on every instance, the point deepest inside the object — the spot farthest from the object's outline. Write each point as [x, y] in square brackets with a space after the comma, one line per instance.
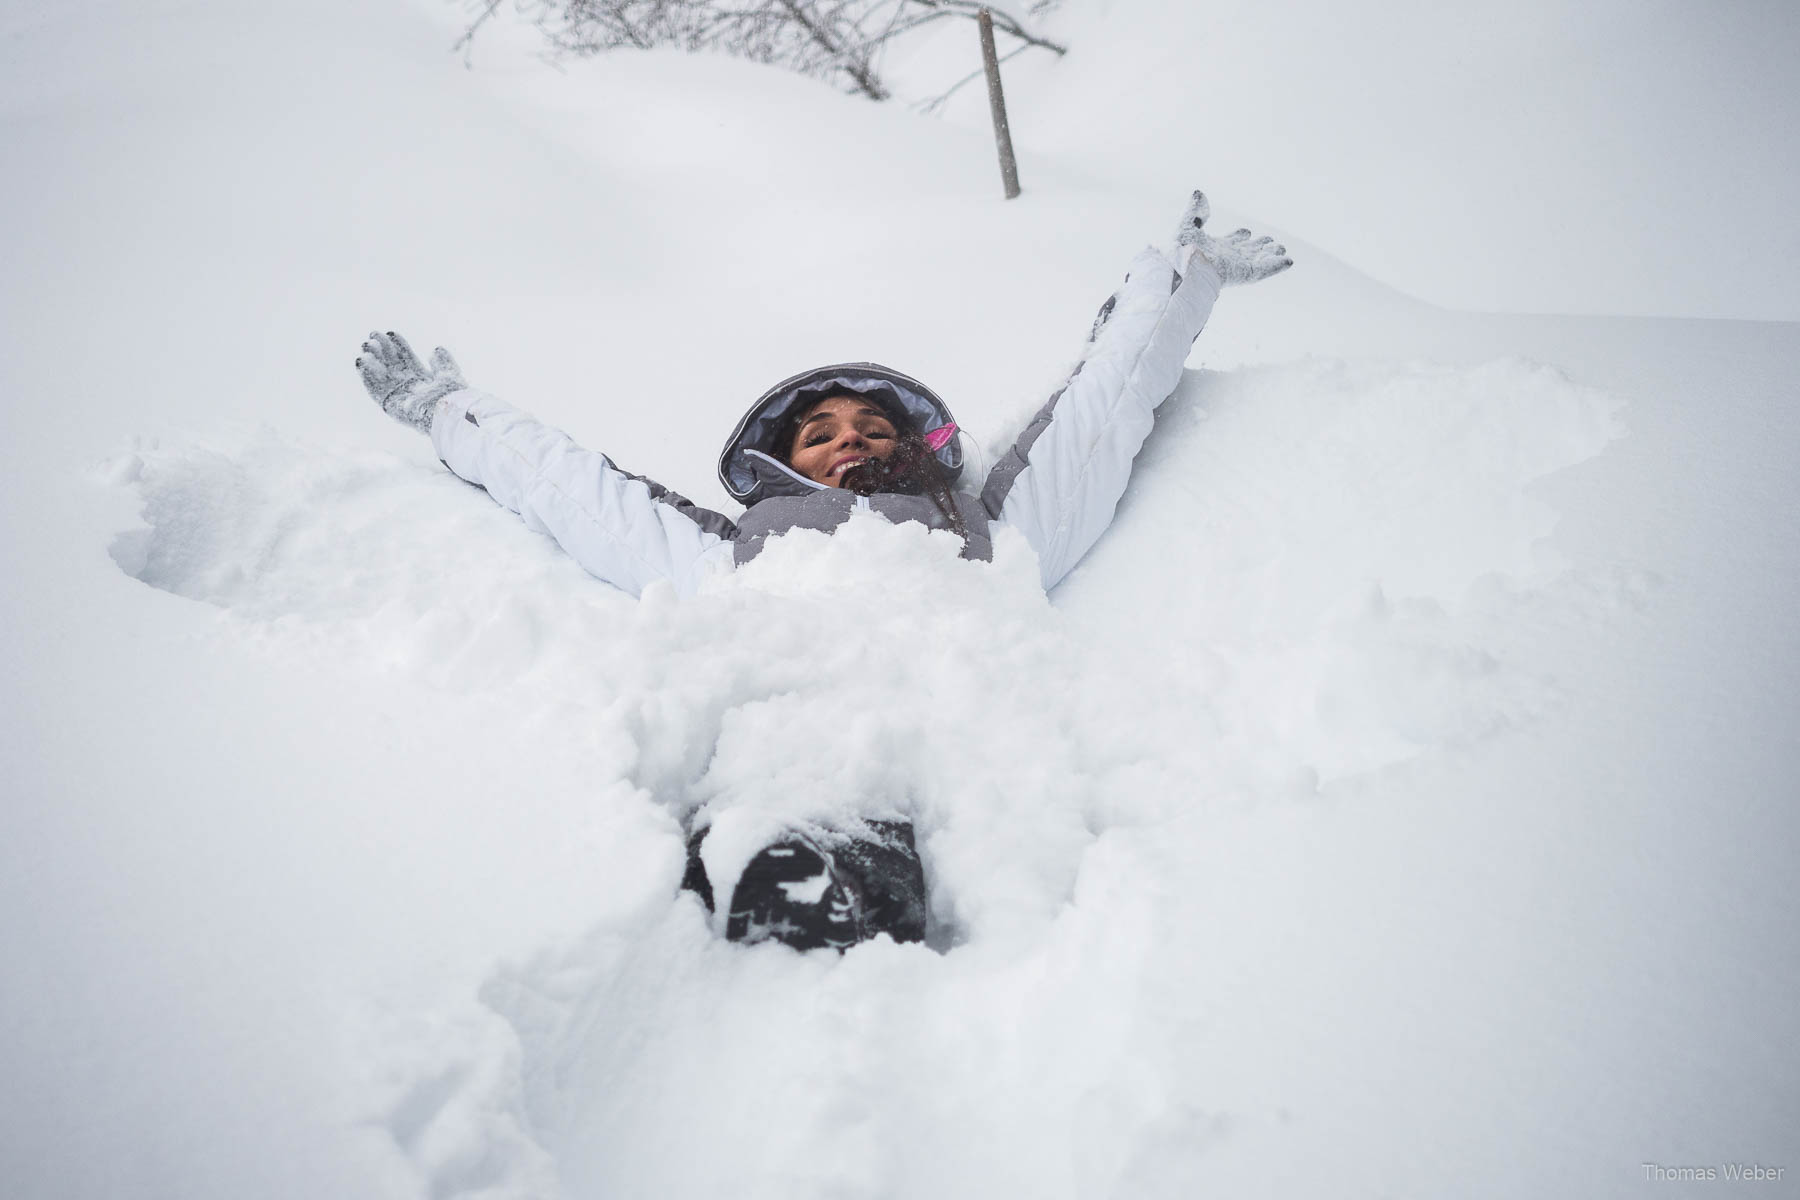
[1009, 167]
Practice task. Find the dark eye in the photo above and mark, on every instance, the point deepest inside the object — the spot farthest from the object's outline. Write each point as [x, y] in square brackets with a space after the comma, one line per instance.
[818, 439]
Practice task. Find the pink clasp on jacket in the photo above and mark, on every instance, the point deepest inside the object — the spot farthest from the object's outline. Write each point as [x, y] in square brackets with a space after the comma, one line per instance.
[938, 437]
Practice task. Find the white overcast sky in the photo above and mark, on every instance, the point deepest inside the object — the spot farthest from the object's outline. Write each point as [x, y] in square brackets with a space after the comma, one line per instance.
[1602, 156]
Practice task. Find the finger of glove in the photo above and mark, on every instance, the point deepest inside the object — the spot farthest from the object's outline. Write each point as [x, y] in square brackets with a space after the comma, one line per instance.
[381, 350]
[380, 382]
[443, 364]
[1193, 220]
[393, 357]
[372, 362]
[407, 360]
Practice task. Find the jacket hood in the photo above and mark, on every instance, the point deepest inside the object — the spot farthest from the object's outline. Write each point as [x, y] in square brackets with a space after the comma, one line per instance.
[749, 467]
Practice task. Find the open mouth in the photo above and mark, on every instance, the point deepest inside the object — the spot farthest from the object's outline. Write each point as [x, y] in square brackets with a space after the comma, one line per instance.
[846, 465]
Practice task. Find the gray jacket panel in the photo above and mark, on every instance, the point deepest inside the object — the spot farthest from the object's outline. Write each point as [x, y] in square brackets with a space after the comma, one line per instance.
[715, 523]
[1006, 472]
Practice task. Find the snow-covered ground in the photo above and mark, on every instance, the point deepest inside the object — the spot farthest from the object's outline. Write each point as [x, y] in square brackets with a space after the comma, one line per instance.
[1398, 802]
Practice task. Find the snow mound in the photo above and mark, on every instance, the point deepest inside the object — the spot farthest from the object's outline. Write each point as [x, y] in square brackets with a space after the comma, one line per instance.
[1313, 532]
[357, 555]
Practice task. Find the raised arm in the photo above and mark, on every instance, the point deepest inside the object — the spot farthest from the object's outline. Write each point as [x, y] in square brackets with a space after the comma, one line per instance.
[1061, 481]
[623, 528]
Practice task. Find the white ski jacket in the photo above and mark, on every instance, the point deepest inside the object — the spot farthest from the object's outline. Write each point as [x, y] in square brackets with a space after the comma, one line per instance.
[1059, 483]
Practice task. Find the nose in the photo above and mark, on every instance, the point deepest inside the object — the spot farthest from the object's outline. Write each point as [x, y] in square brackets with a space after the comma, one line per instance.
[851, 439]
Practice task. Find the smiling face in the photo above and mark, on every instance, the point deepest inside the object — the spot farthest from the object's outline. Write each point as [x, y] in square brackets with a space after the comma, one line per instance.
[836, 434]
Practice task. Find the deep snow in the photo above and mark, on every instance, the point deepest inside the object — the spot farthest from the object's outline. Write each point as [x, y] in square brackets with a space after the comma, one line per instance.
[1397, 802]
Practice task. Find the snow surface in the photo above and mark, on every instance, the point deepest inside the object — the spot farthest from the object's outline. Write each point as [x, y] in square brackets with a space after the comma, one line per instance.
[1399, 801]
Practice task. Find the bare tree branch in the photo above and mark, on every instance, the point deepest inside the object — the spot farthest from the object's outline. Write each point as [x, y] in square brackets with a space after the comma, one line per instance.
[1003, 21]
[829, 39]
[467, 40]
[856, 67]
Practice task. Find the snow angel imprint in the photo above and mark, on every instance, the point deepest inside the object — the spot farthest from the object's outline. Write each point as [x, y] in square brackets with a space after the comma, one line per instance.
[810, 451]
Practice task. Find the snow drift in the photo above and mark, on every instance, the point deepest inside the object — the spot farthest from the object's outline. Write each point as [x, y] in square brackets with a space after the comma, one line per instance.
[1397, 801]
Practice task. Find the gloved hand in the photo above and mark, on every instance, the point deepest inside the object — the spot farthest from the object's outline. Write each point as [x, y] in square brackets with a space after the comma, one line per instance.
[1238, 257]
[406, 390]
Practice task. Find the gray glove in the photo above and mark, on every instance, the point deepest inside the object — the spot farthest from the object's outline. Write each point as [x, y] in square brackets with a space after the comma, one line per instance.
[407, 390]
[1238, 257]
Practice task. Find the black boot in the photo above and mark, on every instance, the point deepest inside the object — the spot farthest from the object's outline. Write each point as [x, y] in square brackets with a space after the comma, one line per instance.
[823, 888]
[794, 892]
[885, 863]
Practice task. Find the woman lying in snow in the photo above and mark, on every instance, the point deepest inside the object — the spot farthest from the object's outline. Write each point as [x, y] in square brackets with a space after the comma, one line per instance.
[812, 450]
